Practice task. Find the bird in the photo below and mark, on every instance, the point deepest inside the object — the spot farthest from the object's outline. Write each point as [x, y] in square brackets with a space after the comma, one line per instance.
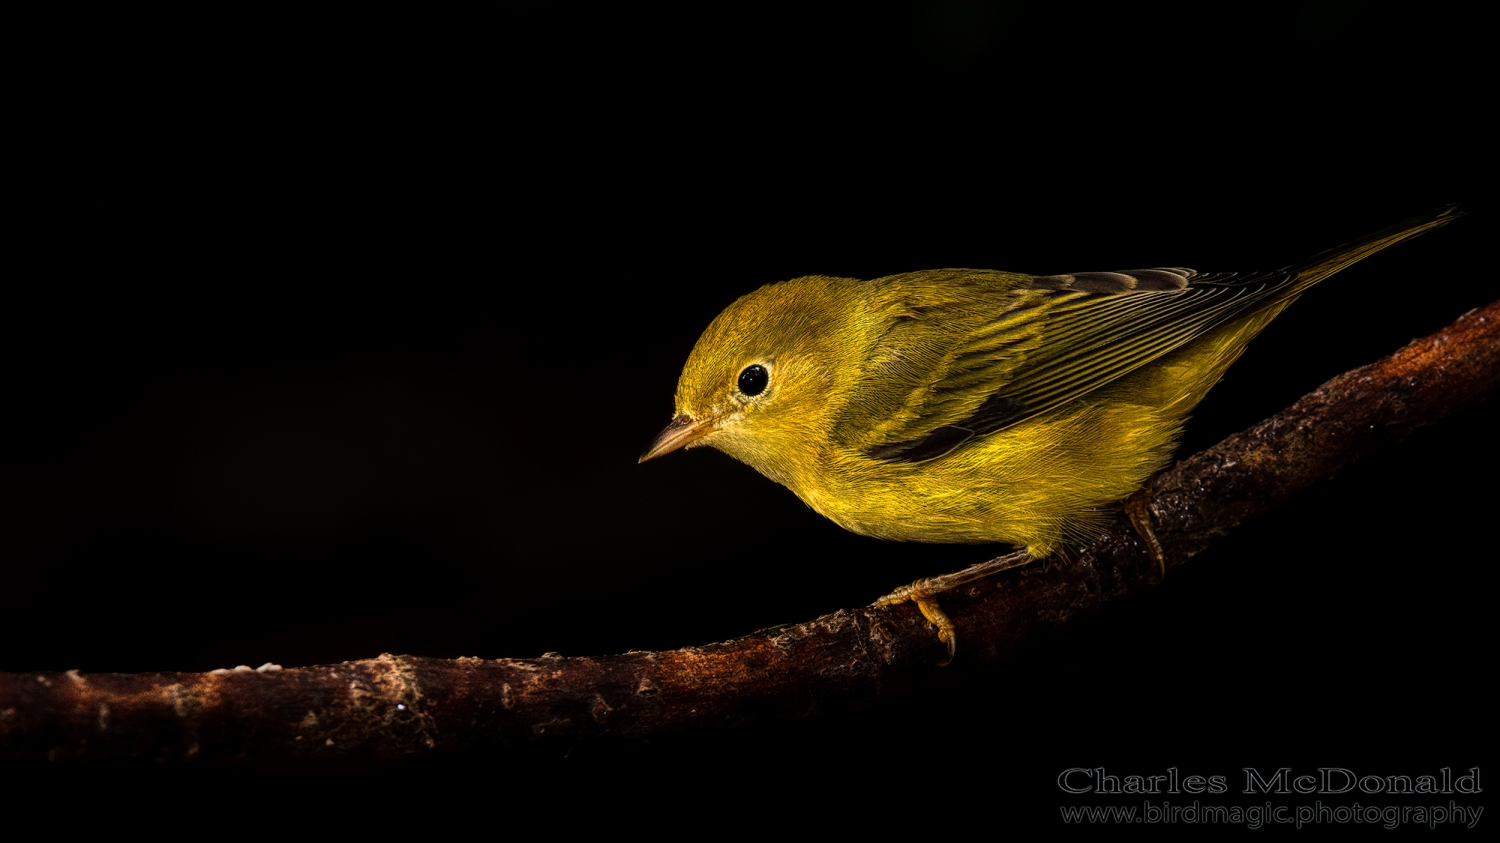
[979, 406]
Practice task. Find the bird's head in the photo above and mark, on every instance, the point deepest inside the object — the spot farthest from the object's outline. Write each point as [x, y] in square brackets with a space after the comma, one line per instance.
[762, 380]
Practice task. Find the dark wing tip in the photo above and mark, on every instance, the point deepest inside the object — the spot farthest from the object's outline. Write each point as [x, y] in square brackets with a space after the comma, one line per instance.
[995, 413]
[936, 444]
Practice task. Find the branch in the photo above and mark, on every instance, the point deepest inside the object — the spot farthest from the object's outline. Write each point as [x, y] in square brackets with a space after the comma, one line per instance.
[404, 705]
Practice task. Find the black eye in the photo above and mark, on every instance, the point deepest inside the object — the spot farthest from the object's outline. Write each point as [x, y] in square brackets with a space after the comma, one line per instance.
[753, 379]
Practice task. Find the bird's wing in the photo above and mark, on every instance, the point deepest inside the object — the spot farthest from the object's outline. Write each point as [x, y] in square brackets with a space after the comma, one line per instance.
[988, 350]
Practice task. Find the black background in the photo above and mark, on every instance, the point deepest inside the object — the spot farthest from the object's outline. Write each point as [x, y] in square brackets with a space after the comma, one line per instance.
[341, 336]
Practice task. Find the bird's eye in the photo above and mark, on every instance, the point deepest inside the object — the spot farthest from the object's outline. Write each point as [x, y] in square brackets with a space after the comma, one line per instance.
[753, 380]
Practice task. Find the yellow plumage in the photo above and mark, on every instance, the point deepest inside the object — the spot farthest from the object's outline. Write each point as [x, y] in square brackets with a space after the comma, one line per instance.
[973, 405]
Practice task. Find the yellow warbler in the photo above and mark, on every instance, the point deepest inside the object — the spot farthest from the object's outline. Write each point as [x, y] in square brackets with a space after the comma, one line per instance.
[966, 405]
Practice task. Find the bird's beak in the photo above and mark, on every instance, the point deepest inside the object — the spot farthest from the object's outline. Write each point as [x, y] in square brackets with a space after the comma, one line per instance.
[683, 431]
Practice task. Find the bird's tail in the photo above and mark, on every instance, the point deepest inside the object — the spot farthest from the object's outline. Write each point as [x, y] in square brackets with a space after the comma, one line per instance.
[1318, 267]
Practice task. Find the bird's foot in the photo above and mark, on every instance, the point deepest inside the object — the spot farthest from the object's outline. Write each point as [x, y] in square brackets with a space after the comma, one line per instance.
[1138, 507]
[927, 602]
[924, 593]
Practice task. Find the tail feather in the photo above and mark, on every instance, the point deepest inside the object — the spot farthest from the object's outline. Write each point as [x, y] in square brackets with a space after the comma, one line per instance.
[1318, 267]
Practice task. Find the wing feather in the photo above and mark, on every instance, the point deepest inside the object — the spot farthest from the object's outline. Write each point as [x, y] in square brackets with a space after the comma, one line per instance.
[998, 349]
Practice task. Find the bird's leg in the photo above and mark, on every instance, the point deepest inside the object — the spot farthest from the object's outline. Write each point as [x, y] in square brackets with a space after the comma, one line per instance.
[1138, 507]
[924, 593]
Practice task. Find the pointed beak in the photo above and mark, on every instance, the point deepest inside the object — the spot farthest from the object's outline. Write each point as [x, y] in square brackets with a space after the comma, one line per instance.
[683, 431]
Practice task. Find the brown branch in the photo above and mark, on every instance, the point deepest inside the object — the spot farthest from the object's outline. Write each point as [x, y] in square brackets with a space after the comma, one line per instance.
[403, 705]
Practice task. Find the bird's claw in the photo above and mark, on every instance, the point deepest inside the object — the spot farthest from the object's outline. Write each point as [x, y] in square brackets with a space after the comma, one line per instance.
[950, 637]
[926, 601]
[1138, 507]
[897, 597]
[924, 594]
